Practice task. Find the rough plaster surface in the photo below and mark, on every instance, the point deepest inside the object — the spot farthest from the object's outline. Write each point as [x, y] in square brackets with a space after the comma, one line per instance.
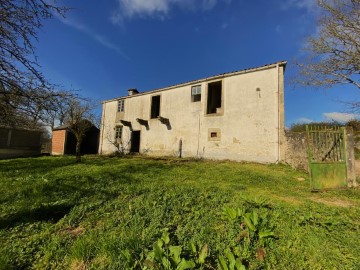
[251, 124]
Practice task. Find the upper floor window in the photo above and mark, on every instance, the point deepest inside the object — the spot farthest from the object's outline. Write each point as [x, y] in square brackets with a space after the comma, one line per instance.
[121, 105]
[155, 106]
[196, 93]
[214, 98]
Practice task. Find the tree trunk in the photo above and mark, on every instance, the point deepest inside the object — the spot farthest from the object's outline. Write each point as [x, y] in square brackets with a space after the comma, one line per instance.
[78, 154]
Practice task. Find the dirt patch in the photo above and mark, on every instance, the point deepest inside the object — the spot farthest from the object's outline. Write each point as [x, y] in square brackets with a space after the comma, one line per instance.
[74, 232]
[78, 265]
[335, 202]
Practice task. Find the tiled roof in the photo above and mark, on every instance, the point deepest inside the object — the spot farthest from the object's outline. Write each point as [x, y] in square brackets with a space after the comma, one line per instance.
[61, 127]
[226, 74]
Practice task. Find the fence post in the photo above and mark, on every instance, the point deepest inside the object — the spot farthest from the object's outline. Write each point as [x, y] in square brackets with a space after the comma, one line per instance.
[350, 157]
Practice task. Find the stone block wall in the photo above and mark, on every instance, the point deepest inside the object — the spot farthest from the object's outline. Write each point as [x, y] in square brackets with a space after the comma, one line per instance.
[296, 150]
[296, 153]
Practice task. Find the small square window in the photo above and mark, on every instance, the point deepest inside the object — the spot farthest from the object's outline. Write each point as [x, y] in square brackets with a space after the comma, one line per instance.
[196, 93]
[118, 132]
[121, 105]
[214, 134]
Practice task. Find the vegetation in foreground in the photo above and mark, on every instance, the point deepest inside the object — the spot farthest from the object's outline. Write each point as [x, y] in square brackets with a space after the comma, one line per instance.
[138, 213]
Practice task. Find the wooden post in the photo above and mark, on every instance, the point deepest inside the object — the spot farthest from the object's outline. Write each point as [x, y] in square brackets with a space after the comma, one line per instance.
[350, 157]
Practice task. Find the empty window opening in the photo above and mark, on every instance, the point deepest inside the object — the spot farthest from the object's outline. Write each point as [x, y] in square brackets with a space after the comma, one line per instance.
[121, 105]
[196, 93]
[118, 132]
[213, 134]
[214, 98]
[155, 106]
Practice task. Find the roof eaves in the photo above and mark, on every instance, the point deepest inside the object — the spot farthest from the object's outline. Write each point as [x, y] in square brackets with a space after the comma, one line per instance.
[218, 76]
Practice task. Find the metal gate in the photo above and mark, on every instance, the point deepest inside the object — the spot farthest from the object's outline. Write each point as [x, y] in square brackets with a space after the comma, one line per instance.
[327, 156]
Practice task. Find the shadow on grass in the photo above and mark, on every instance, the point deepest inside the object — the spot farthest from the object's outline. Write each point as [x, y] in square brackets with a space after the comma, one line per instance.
[39, 164]
[48, 213]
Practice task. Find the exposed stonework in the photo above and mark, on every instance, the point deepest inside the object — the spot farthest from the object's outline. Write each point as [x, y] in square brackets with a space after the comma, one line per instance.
[296, 150]
[297, 156]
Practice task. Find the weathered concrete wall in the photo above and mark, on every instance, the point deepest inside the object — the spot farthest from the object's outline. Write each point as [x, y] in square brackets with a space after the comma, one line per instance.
[297, 157]
[249, 125]
[19, 142]
[58, 142]
[296, 150]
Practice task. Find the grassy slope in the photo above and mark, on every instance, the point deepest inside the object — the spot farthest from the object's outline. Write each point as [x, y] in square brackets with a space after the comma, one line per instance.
[106, 213]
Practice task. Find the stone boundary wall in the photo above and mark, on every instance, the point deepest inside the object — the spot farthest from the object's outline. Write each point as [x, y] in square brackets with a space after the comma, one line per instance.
[296, 150]
[296, 153]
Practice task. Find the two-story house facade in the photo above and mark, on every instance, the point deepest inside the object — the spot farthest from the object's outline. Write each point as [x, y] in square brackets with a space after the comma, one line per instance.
[237, 115]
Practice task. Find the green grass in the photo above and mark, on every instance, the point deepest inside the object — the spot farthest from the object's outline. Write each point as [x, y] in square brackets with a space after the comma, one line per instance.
[107, 213]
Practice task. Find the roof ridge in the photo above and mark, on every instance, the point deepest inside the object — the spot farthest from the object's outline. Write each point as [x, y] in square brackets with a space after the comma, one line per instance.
[283, 62]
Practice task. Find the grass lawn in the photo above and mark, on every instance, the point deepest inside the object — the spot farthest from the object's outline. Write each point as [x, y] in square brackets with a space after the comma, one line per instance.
[141, 213]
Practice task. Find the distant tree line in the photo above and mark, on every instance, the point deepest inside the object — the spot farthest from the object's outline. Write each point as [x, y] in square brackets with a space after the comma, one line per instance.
[301, 127]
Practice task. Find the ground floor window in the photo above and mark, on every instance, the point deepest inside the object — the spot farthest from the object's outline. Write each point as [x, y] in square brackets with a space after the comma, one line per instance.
[118, 132]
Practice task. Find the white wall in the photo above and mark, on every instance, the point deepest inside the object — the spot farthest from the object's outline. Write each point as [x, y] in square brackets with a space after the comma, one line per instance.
[251, 125]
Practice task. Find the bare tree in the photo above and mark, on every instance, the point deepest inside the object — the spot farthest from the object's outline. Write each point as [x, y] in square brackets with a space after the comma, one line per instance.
[121, 141]
[40, 107]
[22, 85]
[334, 52]
[79, 117]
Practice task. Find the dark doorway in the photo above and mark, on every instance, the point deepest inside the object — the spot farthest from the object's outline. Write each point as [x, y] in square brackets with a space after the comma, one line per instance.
[135, 141]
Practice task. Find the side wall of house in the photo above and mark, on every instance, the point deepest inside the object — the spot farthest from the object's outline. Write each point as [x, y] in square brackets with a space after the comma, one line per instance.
[249, 126]
[58, 142]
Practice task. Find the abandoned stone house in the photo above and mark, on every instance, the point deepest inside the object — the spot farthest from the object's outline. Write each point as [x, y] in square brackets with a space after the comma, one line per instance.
[237, 115]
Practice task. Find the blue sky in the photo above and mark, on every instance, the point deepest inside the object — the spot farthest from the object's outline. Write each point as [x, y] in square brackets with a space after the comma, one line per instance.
[107, 47]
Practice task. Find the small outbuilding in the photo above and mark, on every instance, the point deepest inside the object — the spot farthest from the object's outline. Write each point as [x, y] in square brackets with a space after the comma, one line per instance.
[64, 141]
[19, 142]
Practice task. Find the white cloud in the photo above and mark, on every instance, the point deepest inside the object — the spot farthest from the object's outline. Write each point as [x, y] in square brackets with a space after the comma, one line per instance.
[95, 36]
[158, 8]
[303, 120]
[340, 117]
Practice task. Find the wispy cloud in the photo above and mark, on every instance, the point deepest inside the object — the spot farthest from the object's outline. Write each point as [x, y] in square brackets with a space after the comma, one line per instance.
[308, 5]
[158, 8]
[303, 120]
[224, 26]
[340, 117]
[95, 36]
[278, 29]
